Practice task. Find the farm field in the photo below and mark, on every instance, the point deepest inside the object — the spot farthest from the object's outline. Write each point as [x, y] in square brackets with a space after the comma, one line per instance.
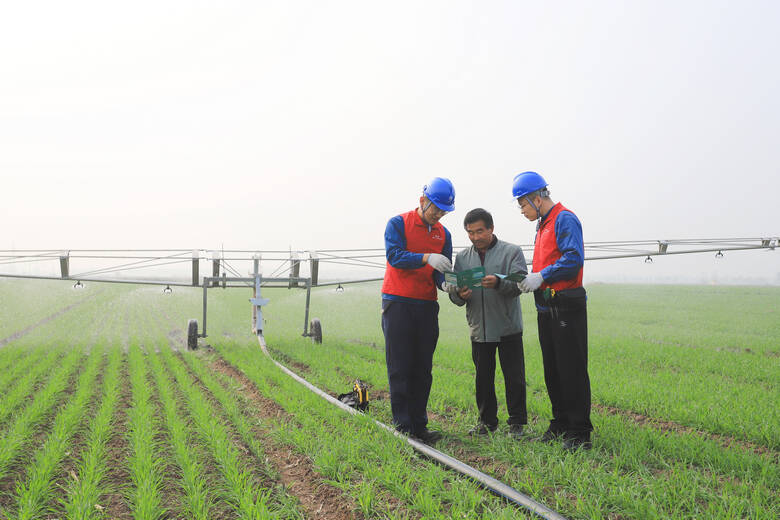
[105, 414]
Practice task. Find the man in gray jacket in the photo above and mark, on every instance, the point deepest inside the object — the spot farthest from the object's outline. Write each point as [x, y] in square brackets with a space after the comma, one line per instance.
[495, 320]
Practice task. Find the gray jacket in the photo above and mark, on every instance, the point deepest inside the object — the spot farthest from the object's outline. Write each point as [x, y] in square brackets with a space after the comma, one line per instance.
[493, 313]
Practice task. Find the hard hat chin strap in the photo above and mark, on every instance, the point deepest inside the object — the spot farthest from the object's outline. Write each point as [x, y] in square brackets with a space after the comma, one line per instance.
[428, 205]
[544, 192]
[538, 210]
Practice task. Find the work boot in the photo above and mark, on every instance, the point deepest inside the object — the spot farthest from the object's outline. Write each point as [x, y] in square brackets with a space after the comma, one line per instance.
[516, 431]
[428, 436]
[482, 429]
[577, 443]
[549, 436]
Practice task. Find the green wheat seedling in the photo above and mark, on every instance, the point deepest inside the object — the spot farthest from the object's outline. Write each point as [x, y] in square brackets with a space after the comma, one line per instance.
[282, 504]
[746, 477]
[250, 502]
[344, 448]
[11, 359]
[14, 396]
[648, 449]
[84, 491]
[22, 359]
[146, 466]
[682, 390]
[75, 325]
[237, 415]
[684, 382]
[23, 427]
[640, 448]
[35, 493]
[23, 307]
[197, 502]
[231, 408]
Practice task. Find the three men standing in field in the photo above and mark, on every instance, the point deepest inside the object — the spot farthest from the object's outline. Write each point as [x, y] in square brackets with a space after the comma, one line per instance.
[419, 251]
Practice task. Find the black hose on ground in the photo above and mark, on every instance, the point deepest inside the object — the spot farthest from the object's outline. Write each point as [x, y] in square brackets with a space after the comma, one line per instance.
[486, 481]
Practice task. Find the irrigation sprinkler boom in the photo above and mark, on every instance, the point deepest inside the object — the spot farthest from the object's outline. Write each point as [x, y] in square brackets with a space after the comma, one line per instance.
[288, 271]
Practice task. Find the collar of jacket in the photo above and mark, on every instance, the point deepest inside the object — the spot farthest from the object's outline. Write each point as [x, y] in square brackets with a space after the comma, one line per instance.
[491, 246]
[548, 213]
[544, 217]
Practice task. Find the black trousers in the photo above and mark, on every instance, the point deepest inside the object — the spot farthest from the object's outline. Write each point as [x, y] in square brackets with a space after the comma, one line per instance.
[510, 354]
[411, 332]
[563, 335]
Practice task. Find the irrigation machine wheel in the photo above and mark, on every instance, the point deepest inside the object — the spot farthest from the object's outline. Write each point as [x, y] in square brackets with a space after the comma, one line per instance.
[192, 335]
[315, 330]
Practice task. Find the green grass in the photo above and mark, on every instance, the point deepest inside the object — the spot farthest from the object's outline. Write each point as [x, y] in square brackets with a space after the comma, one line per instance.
[250, 500]
[691, 375]
[20, 307]
[34, 495]
[198, 502]
[82, 500]
[28, 373]
[346, 449]
[660, 473]
[145, 462]
[23, 426]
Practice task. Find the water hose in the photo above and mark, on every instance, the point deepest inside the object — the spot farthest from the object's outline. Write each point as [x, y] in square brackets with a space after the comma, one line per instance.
[486, 481]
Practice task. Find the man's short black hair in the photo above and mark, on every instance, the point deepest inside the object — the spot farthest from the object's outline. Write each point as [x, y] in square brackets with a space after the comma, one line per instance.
[478, 214]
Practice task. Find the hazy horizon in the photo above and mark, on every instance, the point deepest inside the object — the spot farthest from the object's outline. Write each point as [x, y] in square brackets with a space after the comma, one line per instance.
[307, 125]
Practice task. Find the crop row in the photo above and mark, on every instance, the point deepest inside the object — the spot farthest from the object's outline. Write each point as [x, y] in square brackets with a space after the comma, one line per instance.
[724, 392]
[642, 466]
[118, 425]
[636, 469]
[89, 475]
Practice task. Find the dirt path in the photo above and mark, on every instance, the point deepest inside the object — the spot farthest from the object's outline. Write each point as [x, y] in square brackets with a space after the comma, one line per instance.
[670, 426]
[318, 498]
[115, 484]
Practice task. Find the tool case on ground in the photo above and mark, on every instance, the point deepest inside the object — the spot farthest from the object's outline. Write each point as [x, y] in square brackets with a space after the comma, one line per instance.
[358, 397]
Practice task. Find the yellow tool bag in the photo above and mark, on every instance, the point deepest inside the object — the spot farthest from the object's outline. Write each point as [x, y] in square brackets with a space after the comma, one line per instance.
[358, 397]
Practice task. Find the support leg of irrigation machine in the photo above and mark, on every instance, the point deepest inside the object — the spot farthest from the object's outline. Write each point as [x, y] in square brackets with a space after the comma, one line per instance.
[192, 325]
[314, 330]
[257, 305]
[257, 302]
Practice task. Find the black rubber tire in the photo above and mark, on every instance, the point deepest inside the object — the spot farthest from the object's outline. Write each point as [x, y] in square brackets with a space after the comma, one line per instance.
[192, 335]
[315, 330]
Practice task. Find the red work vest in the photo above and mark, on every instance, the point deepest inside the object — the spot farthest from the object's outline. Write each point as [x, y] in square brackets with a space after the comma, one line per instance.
[546, 251]
[416, 283]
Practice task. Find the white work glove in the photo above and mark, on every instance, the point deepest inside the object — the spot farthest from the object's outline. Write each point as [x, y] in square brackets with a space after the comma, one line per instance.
[439, 262]
[449, 288]
[531, 282]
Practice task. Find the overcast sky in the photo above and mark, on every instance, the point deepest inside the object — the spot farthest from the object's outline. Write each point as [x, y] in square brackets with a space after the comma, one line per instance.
[268, 125]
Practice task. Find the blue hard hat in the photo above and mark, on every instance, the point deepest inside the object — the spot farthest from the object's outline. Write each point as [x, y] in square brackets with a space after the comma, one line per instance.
[527, 182]
[441, 193]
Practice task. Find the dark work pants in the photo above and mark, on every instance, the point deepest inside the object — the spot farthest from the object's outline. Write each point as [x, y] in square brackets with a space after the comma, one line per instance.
[411, 332]
[510, 354]
[563, 335]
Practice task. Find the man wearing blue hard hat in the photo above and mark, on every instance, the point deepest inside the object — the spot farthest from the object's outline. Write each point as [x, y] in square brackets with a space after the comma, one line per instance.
[556, 281]
[418, 250]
